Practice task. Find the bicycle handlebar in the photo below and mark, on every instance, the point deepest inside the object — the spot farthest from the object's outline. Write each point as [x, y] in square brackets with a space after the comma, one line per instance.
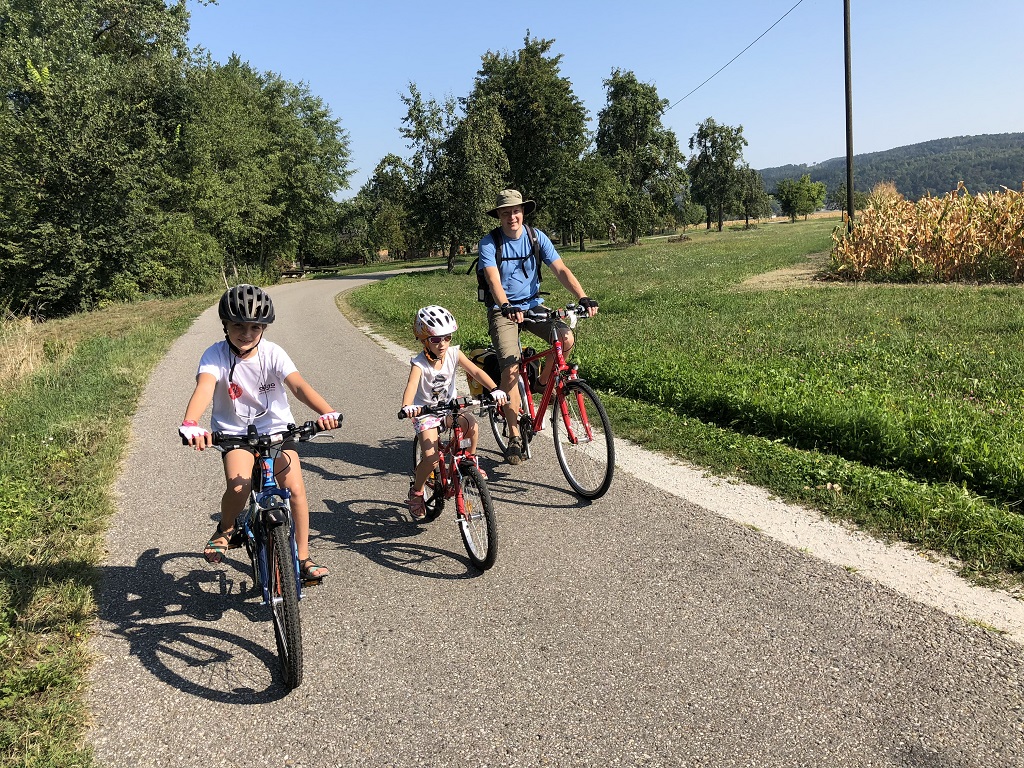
[540, 312]
[451, 406]
[256, 440]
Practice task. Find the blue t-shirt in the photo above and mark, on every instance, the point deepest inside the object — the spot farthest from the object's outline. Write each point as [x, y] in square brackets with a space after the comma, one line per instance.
[519, 276]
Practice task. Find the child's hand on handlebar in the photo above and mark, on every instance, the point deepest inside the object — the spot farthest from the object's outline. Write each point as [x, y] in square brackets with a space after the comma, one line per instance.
[499, 396]
[329, 420]
[411, 410]
[194, 435]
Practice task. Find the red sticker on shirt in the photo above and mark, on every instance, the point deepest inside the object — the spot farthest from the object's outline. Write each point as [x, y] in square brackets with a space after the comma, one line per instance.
[234, 391]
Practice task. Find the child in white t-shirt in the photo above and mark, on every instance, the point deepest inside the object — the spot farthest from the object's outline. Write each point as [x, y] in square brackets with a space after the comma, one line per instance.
[245, 378]
[432, 381]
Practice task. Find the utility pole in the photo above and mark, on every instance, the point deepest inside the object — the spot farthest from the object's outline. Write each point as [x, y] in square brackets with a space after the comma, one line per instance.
[849, 119]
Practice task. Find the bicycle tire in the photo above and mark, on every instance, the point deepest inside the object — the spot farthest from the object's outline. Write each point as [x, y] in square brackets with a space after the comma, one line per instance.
[587, 463]
[433, 494]
[284, 606]
[477, 523]
[499, 427]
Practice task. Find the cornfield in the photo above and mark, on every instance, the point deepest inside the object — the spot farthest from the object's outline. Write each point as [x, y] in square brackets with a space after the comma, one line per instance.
[956, 237]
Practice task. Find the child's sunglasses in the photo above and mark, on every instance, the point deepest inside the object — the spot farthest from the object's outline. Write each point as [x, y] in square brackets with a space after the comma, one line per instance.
[439, 339]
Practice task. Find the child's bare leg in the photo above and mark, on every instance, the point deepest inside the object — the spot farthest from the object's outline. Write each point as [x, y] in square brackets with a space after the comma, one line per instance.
[289, 475]
[238, 466]
[470, 430]
[428, 447]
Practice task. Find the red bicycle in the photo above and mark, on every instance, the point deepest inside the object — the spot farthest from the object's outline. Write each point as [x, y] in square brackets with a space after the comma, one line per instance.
[458, 477]
[584, 443]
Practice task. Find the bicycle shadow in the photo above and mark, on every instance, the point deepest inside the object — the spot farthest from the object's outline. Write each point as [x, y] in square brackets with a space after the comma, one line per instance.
[163, 607]
[383, 533]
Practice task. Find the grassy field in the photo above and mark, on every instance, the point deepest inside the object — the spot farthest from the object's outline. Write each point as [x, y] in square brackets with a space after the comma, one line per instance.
[890, 406]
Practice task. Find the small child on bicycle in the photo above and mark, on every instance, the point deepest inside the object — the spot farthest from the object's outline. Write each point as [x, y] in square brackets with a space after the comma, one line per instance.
[431, 381]
[245, 377]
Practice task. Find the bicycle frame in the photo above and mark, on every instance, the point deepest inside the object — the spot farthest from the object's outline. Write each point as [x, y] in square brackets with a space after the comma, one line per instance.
[267, 497]
[556, 381]
[448, 454]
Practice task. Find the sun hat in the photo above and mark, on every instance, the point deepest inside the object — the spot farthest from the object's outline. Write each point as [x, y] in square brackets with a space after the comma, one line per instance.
[508, 198]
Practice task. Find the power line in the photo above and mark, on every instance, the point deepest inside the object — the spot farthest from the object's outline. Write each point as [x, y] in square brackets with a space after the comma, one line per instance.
[730, 61]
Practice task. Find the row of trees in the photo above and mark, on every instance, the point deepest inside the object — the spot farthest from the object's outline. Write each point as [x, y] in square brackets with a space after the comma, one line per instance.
[522, 126]
[131, 165]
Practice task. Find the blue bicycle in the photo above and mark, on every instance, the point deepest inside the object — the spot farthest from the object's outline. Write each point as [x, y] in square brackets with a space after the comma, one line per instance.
[267, 531]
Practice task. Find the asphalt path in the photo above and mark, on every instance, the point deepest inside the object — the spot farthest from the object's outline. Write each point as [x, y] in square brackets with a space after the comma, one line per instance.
[638, 630]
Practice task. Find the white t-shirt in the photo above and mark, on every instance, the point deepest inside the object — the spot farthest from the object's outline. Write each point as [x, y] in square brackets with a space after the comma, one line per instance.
[436, 386]
[256, 393]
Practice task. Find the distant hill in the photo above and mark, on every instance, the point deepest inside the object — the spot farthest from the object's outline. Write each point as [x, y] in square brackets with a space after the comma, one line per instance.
[983, 163]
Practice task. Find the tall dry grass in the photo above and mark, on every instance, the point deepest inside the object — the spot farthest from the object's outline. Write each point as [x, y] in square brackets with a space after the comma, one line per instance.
[21, 348]
[956, 237]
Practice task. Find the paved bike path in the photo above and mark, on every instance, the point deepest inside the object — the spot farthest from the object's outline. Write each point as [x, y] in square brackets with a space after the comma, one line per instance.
[636, 630]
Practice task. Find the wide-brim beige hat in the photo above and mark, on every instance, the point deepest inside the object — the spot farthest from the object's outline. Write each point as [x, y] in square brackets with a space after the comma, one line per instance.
[508, 198]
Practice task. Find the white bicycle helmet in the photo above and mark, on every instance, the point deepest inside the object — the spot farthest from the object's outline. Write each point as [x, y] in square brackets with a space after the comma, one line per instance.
[433, 321]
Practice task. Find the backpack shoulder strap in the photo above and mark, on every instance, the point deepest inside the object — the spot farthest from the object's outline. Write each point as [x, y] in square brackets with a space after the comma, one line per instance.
[497, 238]
[535, 250]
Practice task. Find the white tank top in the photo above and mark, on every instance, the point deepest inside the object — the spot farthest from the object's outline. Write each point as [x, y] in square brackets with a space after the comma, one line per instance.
[436, 386]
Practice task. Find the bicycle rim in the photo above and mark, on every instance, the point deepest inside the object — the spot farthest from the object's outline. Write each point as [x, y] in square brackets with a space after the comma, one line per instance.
[433, 494]
[477, 523]
[284, 603]
[583, 440]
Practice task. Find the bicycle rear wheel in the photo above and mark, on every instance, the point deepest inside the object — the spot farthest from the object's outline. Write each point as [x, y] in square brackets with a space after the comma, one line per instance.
[477, 523]
[284, 605]
[583, 439]
[499, 426]
[433, 495]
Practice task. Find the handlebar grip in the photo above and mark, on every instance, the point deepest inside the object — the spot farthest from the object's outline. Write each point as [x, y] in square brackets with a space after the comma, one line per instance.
[403, 415]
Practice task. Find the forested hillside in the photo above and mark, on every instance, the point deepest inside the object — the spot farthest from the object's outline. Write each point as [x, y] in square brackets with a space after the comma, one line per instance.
[983, 163]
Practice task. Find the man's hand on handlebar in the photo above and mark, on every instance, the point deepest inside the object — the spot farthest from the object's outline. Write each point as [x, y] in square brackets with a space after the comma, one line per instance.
[588, 304]
[512, 312]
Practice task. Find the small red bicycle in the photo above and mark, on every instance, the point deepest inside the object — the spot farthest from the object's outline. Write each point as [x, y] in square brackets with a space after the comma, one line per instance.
[458, 477]
[584, 443]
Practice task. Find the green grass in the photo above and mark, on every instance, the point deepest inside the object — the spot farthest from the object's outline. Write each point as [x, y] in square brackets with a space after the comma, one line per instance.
[889, 406]
[64, 433]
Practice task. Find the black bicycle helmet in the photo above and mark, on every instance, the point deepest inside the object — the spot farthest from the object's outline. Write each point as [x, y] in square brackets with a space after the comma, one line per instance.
[246, 304]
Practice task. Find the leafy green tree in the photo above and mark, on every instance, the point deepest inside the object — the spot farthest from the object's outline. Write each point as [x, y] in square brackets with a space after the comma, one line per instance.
[800, 197]
[583, 197]
[545, 121]
[836, 199]
[457, 165]
[643, 155]
[90, 90]
[717, 151]
[752, 200]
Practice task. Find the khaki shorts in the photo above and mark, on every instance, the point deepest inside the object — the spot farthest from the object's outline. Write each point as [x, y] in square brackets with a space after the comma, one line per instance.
[505, 335]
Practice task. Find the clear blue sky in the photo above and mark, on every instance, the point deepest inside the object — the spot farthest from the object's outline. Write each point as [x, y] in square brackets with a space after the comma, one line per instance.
[922, 69]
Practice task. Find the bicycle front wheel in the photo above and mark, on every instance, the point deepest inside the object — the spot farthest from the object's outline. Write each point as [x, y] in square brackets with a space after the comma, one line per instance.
[284, 604]
[433, 494]
[477, 523]
[499, 427]
[583, 439]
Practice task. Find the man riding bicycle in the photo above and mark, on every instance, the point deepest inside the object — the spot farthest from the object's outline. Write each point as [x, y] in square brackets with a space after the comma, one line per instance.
[509, 261]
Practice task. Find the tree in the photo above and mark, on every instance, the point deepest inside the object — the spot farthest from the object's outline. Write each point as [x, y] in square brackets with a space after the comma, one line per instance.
[545, 122]
[752, 200]
[456, 166]
[836, 199]
[799, 198]
[714, 167]
[643, 155]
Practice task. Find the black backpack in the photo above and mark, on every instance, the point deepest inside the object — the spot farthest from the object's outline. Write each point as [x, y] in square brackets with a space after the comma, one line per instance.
[483, 291]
